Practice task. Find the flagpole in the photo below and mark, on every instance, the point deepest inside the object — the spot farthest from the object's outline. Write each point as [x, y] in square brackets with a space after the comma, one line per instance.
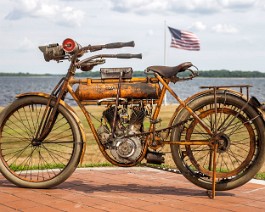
[165, 42]
[165, 54]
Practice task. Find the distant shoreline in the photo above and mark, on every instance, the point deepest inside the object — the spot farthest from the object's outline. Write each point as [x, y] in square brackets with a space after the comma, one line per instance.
[204, 74]
[3, 74]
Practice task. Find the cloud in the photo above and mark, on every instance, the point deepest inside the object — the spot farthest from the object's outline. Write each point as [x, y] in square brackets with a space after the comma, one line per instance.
[26, 45]
[139, 6]
[180, 6]
[198, 26]
[159, 6]
[46, 9]
[195, 6]
[150, 33]
[225, 28]
[238, 4]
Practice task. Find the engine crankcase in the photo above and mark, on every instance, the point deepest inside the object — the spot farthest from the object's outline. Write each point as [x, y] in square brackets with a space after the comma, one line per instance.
[126, 150]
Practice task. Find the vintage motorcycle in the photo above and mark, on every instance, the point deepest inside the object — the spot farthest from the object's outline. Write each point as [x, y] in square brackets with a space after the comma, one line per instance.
[216, 136]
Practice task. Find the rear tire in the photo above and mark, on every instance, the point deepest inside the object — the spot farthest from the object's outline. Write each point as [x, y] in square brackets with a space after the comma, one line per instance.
[28, 163]
[240, 152]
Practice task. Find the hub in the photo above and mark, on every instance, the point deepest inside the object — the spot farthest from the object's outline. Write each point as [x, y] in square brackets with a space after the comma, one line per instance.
[36, 142]
[224, 143]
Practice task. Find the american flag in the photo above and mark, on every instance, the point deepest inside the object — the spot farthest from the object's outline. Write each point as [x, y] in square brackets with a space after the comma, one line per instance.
[184, 40]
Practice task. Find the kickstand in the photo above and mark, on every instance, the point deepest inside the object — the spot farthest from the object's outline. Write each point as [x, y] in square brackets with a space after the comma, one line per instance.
[211, 193]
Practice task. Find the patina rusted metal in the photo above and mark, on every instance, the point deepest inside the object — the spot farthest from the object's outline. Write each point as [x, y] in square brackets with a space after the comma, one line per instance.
[133, 90]
[117, 88]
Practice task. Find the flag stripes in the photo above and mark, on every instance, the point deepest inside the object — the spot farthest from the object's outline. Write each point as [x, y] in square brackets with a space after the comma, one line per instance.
[184, 40]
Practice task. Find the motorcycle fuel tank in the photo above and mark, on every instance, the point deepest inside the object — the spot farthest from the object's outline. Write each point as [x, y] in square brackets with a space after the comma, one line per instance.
[129, 90]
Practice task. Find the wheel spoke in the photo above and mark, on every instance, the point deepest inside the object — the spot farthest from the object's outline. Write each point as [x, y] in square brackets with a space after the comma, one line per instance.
[236, 136]
[28, 159]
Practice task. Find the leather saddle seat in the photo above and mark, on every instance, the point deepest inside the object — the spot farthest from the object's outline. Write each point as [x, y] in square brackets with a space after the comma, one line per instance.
[167, 71]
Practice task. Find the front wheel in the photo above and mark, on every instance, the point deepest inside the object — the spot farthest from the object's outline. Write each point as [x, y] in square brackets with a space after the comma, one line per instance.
[240, 151]
[27, 162]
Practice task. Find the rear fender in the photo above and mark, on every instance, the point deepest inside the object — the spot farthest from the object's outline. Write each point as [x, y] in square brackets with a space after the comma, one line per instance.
[252, 101]
[260, 106]
[69, 108]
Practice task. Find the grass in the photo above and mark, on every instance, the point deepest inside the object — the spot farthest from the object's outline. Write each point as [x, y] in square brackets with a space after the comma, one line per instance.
[91, 165]
[23, 168]
[94, 158]
[260, 176]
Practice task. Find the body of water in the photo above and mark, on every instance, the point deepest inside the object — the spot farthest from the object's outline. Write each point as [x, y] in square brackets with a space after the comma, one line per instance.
[11, 86]
[187, 88]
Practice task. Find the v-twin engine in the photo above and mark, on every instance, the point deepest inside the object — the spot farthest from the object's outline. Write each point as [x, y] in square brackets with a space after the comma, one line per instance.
[112, 135]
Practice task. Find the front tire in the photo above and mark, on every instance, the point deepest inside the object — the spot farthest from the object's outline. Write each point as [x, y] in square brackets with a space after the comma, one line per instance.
[28, 163]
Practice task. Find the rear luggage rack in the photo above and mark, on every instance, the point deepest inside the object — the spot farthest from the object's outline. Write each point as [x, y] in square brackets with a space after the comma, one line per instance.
[241, 88]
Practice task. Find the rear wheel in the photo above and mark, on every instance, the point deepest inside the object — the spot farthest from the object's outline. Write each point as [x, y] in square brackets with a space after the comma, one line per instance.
[27, 162]
[240, 151]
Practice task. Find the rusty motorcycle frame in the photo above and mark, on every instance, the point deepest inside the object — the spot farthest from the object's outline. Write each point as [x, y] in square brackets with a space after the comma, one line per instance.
[216, 136]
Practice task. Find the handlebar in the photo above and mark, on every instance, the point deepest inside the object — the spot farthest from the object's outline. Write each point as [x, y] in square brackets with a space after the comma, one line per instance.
[70, 47]
[109, 46]
[71, 50]
[129, 56]
[119, 45]
[120, 56]
[88, 63]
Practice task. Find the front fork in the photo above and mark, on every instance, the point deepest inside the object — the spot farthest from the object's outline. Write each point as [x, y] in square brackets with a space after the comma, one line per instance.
[51, 112]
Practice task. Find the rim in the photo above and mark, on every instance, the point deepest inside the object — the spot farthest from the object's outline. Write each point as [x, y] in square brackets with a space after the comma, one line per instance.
[26, 157]
[236, 147]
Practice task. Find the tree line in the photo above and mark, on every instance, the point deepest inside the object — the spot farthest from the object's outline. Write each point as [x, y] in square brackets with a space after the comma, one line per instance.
[21, 74]
[235, 74]
[212, 73]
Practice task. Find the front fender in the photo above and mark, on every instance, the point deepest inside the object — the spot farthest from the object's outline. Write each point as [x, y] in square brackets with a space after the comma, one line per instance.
[45, 95]
[69, 108]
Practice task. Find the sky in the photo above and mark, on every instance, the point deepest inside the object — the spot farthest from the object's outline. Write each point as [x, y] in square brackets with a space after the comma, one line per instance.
[231, 32]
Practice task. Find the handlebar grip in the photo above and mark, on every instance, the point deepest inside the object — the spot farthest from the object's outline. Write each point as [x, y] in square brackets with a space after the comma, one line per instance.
[129, 56]
[119, 45]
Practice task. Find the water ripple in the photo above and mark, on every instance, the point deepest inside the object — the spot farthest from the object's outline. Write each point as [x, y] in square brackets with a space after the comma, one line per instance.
[11, 86]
